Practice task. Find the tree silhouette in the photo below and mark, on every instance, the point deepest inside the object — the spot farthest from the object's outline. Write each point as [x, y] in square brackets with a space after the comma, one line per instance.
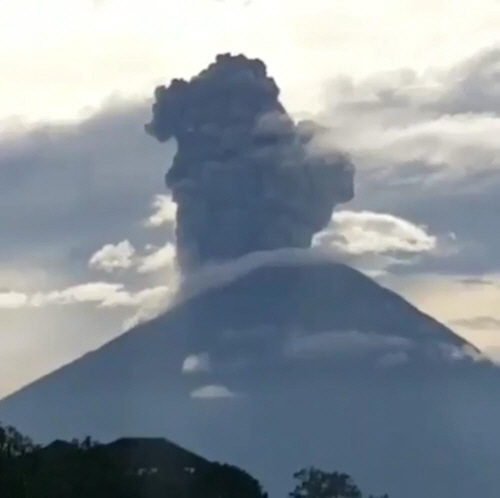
[315, 483]
[88, 469]
[225, 481]
[139, 468]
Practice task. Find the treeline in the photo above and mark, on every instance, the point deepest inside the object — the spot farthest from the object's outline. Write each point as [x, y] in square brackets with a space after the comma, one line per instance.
[138, 468]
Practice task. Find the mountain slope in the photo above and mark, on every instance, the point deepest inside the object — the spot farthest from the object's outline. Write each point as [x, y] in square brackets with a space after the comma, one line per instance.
[306, 364]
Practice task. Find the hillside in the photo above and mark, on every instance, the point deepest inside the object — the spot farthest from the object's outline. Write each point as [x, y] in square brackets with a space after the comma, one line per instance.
[315, 362]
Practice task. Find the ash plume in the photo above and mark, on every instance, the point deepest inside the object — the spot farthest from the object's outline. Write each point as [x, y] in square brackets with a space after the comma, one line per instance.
[244, 177]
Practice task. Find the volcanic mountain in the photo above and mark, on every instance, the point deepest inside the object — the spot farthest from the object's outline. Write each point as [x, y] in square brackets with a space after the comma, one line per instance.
[271, 357]
[287, 364]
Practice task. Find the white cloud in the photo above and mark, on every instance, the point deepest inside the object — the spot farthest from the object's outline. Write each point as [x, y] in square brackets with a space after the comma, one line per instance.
[150, 298]
[12, 300]
[342, 342]
[368, 232]
[166, 210]
[196, 363]
[212, 392]
[373, 242]
[123, 256]
[161, 258]
[92, 292]
[111, 257]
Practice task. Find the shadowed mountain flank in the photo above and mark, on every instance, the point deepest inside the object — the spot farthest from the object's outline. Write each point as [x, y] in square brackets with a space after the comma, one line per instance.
[315, 362]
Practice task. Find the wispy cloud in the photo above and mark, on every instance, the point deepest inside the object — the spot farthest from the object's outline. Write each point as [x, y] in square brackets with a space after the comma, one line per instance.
[212, 392]
[478, 323]
[476, 281]
[343, 342]
[150, 297]
[91, 292]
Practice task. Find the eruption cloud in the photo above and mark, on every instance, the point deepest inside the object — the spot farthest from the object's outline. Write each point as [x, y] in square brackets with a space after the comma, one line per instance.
[244, 177]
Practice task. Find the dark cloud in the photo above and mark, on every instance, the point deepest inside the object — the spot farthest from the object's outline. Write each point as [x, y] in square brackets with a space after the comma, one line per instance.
[66, 189]
[243, 177]
[472, 87]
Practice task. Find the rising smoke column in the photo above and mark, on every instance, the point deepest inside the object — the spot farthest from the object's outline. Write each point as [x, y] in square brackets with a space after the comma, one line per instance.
[243, 178]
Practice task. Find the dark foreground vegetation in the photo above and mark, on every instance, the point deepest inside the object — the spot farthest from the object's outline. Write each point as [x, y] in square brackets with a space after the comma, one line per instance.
[138, 468]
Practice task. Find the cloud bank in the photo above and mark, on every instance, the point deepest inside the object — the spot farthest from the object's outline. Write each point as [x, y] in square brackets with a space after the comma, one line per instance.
[104, 294]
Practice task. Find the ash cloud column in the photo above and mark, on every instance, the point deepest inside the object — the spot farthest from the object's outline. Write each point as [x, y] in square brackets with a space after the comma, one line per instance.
[244, 177]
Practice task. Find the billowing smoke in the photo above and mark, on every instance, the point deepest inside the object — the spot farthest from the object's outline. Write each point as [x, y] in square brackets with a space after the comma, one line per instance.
[244, 177]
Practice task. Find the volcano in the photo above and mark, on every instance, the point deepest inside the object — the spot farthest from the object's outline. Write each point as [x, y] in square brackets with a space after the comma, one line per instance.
[271, 357]
[283, 365]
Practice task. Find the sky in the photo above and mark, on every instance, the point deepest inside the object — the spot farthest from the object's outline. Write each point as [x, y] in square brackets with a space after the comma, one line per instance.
[411, 89]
